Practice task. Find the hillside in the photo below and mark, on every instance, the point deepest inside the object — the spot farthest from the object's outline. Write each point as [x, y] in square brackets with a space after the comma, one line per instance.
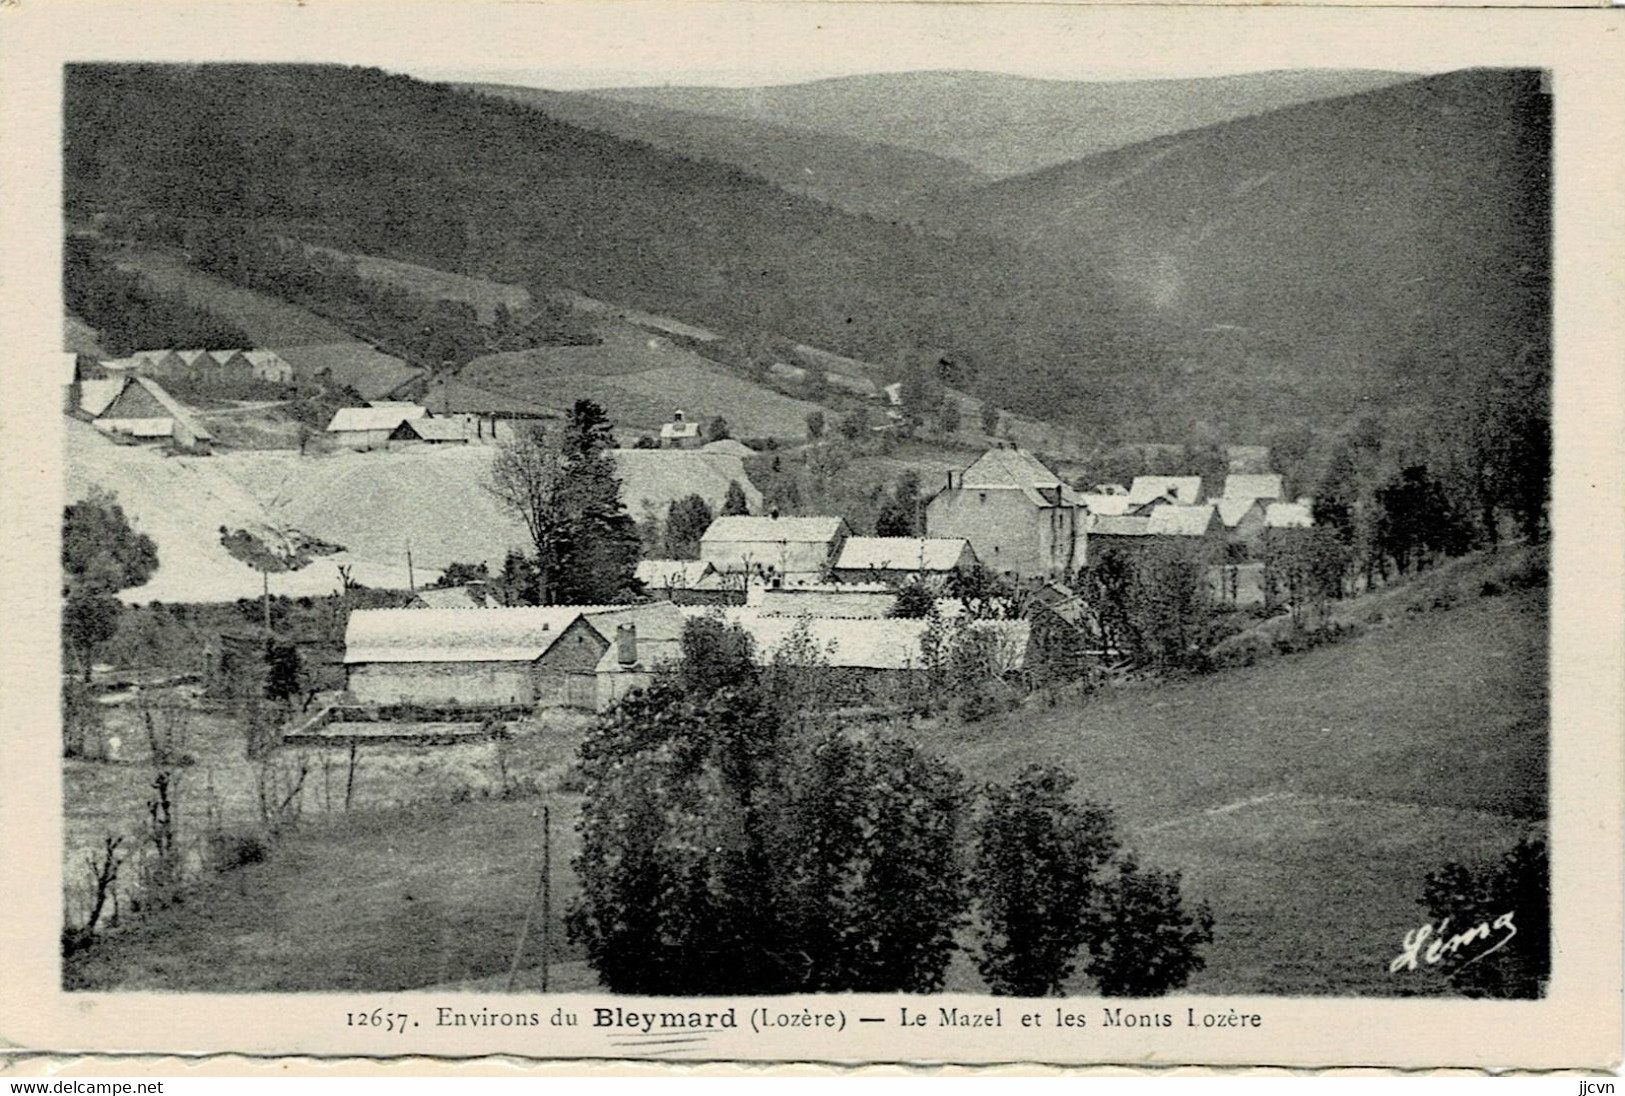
[1316, 789]
[885, 181]
[181, 502]
[1287, 267]
[395, 168]
[639, 380]
[378, 504]
[1391, 242]
[1000, 124]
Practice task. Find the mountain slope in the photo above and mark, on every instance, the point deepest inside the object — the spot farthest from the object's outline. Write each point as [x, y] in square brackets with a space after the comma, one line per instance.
[389, 166]
[1393, 238]
[885, 181]
[1358, 254]
[1001, 124]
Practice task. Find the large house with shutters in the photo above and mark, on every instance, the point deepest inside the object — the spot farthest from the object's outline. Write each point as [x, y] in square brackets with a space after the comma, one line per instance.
[1019, 518]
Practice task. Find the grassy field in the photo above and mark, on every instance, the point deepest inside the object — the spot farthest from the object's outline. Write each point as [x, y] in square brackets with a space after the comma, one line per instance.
[639, 379]
[1304, 799]
[427, 282]
[1315, 790]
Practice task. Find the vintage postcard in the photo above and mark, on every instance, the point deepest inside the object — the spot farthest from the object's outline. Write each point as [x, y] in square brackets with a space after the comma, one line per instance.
[849, 533]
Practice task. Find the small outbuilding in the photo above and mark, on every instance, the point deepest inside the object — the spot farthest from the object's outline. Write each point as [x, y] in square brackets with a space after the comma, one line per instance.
[679, 433]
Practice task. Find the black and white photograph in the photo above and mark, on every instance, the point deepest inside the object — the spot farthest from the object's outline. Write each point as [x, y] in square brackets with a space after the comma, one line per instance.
[637, 525]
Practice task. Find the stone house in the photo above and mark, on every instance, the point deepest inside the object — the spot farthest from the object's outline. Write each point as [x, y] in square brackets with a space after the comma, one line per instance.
[1017, 516]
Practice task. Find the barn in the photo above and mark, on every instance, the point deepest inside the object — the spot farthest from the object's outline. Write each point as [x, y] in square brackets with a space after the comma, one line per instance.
[141, 409]
[545, 657]
[370, 427]
[796, 549]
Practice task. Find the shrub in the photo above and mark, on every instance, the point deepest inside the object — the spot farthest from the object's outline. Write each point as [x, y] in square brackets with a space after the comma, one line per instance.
[230, 851]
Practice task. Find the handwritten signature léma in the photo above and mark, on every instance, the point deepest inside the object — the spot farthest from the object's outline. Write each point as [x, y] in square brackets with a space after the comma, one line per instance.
[1430, 944]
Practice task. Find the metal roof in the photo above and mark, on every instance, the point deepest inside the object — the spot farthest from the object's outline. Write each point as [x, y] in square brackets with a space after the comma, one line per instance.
[520, 634]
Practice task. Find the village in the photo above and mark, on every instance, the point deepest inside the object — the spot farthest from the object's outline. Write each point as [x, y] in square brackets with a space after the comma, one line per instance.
[1004, 520]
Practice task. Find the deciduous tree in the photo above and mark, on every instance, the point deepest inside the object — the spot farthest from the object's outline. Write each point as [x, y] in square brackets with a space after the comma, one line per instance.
[1147, 943]
[1039, 861]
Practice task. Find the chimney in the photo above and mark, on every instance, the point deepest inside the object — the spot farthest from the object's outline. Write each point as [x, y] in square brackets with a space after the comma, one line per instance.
[774, 513]
[626, 644]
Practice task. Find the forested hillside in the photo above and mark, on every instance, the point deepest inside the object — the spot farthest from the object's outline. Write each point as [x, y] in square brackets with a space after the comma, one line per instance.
[1298, 268]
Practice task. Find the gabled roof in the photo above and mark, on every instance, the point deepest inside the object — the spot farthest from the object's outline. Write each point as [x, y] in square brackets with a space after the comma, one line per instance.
[95, 395]
[1008, 468]
[454, 635]
[1233, 510]
[901, 553]
[1288, 515]
[436, 429]
[1182, 489]
[520, 634]
[654, 620]
[171, 408]
[1257, 486]
[373, 418]
[198, 357]
[868, 643]
[1018, 469]
[746, 528]
[452, 597]
[1181, 521]
[1108, 505]
[680, 430]
[1124, 525]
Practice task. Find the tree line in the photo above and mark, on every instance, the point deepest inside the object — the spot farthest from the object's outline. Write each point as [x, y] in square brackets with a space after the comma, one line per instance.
[130, 313]
[433, 332]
